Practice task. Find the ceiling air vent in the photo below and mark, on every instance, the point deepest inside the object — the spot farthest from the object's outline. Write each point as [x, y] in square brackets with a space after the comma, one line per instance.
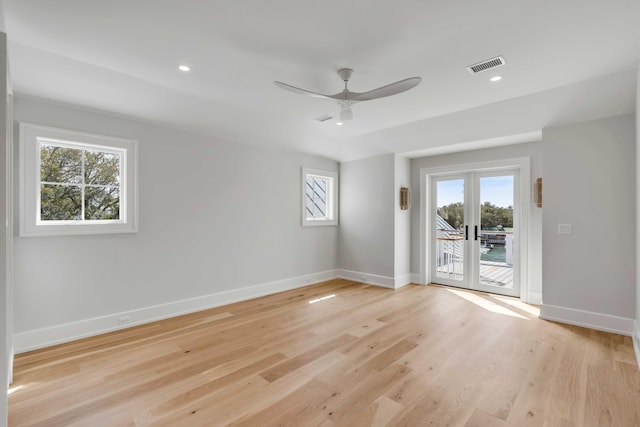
[323, 118]
[486, 65]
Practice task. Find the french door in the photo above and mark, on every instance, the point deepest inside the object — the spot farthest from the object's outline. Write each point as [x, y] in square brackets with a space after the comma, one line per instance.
[475, 231]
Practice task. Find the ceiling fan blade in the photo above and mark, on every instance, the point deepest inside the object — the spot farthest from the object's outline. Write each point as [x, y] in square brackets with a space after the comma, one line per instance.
[388, 90]
[346, 114]
[301, 91]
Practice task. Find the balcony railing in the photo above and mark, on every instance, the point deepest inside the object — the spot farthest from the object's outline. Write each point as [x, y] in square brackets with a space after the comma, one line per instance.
[450, 256]
[449, 253]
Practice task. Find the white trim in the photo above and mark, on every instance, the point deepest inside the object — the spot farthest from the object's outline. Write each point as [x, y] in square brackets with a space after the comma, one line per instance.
[10, 372]
[372, 279]
[587, 319]
[402, 280]
[39, 338]
[10, 200]
[523, 164]
[30, 225]
[636, 341]
[415, 278]
[534, 298]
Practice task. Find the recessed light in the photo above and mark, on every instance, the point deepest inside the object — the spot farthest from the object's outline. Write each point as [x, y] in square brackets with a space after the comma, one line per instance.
[338, 123]
[496, 78]
[184, 68]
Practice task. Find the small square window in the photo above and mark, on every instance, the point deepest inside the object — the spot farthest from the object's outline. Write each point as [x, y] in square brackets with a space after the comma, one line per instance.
[76, 183]
[319, 197]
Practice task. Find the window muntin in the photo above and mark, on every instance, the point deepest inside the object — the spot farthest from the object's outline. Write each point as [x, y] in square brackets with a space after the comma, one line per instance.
[79, 182]
[319, 195]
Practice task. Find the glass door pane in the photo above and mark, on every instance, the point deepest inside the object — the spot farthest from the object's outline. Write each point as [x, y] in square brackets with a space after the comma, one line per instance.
[449, 247]
[496, 234]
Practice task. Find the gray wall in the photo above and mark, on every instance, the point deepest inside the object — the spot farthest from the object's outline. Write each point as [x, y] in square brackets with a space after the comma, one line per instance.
[532, 150]
[589, 182]
[366, 242]
[402, 252]
[5, 233]
[214, 216]
[637, 325]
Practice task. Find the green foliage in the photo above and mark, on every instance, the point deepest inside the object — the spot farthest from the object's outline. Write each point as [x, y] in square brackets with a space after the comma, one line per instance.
[490, 214]
[102, 203]
[58, 164]
[101, 168]
[61, 191]
[60, 202]
[453, 214]
[495, 216]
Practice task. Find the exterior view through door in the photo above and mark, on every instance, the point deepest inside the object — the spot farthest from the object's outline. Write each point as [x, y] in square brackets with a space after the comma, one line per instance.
[475, 225]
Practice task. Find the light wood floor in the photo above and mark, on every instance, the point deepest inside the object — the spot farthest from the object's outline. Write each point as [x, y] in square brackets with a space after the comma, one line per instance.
[337, 354]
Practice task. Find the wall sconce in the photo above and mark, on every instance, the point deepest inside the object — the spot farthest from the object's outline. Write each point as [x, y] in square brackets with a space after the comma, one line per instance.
[405, 199]
[537, 193]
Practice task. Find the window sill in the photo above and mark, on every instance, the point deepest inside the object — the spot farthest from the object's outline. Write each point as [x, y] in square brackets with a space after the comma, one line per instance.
[320, 223]
[77, 229]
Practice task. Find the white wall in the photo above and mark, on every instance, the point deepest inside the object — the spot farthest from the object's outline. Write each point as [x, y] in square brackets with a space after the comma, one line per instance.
[214, 217]
[532, 150]
[589, 182]
[402, 247]
[366, 242]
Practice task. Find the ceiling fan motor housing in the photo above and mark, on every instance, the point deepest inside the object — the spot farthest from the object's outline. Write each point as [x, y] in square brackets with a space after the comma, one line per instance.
[345, 74]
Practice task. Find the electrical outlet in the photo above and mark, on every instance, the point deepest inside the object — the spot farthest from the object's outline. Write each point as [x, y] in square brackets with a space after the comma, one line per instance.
[124, 320]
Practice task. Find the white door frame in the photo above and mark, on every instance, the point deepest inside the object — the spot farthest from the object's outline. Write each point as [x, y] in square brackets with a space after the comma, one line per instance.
[523, 164]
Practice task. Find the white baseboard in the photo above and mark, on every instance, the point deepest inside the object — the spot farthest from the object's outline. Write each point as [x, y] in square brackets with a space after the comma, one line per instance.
[374, 279]
[39, 338]
[588, 319]
[415, 278]
[636, 341]
[534, 298]
[402, 280]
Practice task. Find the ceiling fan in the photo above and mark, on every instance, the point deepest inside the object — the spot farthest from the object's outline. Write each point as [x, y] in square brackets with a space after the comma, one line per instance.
[346, 98]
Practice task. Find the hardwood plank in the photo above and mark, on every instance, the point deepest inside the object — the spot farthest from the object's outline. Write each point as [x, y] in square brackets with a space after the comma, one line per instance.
[482, 419]
[368, 356]
[294, 409]
[211, 386]
[291, 365]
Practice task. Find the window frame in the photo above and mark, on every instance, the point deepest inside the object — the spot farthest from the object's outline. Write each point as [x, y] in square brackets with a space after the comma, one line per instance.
[332, 197]
[31, 138]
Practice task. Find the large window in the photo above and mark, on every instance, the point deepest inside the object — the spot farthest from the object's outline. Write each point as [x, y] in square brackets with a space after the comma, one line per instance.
[76, 183]
[319, 197]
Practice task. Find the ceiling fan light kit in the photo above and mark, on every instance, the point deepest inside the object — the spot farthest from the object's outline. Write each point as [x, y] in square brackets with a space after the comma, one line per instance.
[346, 99]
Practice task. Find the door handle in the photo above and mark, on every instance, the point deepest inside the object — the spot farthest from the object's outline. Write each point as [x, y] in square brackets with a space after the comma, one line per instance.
[475, 231]
[466, 232]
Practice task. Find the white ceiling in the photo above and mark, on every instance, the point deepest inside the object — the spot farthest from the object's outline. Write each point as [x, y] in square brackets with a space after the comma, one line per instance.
[566, 61]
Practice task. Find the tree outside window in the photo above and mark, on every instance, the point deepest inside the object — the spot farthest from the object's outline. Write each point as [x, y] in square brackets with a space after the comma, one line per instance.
[79, 184]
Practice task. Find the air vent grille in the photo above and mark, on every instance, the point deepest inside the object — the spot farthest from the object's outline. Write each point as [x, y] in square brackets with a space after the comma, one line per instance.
[323, 118]
[486, 65]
